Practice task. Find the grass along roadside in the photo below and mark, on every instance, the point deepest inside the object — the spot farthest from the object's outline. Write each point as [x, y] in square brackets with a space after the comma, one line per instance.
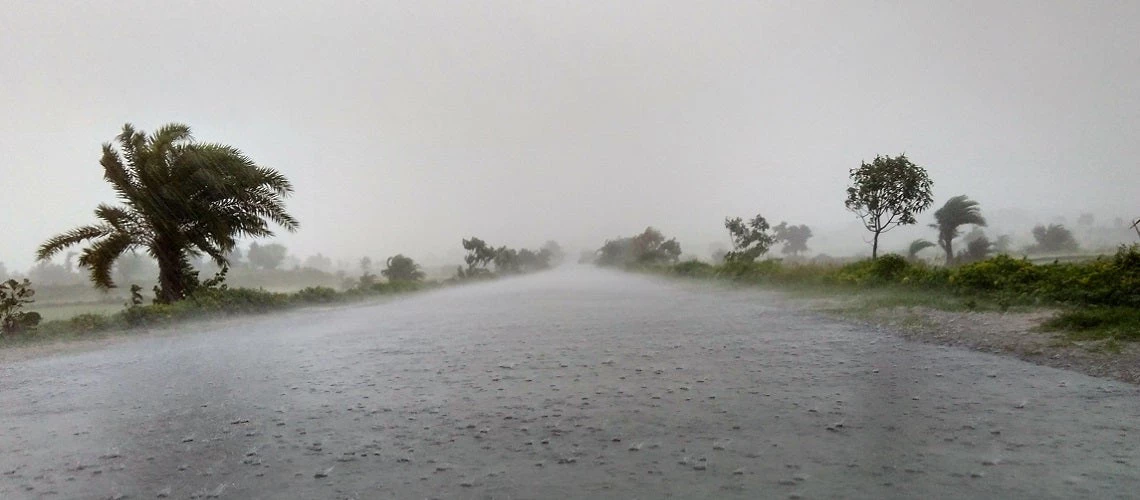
[1037, 331]
[204, 303]
[1094, 299]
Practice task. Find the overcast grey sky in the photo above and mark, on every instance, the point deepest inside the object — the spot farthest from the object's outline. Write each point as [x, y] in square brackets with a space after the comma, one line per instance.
[408, 125]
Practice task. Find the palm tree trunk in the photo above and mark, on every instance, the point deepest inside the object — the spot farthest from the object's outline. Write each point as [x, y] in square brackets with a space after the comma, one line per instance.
[171, 282]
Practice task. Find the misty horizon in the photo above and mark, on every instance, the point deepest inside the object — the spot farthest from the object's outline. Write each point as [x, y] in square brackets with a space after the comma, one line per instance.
[405, 129]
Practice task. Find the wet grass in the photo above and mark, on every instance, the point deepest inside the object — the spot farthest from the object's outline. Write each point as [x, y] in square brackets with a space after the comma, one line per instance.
[1112, 323]
[103, 320]
[52, 312]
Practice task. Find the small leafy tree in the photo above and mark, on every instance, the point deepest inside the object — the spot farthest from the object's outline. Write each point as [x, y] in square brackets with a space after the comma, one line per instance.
[1053, 238]
[794, 237]
[14, 295]
[401, 268]
[479, 254]
[749, 240]
[506, 261]
[955, 213]
[887, 193]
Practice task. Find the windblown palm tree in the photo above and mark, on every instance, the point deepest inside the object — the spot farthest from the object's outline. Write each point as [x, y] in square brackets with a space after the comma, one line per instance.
[401, 268]
[917, 246]
[180, 199]
[957, 212]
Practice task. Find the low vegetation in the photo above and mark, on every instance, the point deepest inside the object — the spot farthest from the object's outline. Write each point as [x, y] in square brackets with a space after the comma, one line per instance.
[1098, 298]
[212, 299]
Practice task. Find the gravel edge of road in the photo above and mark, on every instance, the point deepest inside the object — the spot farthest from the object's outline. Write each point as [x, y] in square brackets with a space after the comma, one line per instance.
[1013, 334]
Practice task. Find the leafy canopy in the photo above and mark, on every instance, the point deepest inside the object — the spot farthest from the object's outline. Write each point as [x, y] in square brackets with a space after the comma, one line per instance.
[179, 199]
[887, 193]
[955, 213]
[749, 240]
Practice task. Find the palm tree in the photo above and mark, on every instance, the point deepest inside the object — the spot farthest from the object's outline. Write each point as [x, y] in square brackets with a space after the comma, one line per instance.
[180, 199]
[917, 246]
[401, 268]
[958, 211]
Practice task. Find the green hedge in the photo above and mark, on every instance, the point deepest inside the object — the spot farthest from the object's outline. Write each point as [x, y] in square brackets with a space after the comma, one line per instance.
[1105, 282]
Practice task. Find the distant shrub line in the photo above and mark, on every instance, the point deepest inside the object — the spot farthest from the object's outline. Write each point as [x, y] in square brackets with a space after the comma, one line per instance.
[215, 302]
[1105, 282]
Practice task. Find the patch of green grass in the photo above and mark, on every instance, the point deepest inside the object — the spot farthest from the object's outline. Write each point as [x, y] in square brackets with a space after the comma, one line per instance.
[1098, 323]
[51, 312]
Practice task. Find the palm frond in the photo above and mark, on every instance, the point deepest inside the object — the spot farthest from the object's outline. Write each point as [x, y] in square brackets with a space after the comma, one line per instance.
[57, 243]
[100, 257]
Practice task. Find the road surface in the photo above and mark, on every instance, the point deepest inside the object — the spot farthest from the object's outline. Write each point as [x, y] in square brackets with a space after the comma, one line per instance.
[575, 383]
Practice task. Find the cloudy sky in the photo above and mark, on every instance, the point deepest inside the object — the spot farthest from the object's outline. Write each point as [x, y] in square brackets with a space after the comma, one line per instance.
[408, 125]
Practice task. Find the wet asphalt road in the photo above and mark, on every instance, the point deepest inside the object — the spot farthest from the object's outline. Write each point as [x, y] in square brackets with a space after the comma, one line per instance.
[574, 383]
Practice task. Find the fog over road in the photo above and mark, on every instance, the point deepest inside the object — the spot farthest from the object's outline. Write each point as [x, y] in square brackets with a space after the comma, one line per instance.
[572, 383]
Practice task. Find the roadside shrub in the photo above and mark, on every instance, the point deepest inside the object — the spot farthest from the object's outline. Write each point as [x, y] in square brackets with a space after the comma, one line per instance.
[87, 323]
[392, 287]
[922, 275]
[889, 268]
[231, 300]
[147, 315]
[1099, 322]
[316, 295]
[999, 273]
[14, 295]
[1111, 281]
[693, 268]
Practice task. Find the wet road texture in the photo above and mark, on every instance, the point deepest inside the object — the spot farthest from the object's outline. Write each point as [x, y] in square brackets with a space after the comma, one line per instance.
[575, 383]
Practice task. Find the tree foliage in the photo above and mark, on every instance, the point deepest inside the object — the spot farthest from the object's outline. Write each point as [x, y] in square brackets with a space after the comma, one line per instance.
[649, 247]
[1052, 239]
[887, 193]
[977, 249]
[401, 268]
[506, 260]
[749, 240]
[180, 199]
[955, 213]
[266, 257]
[794, 237]
[917, 246]
[14, 296]
[479, 254]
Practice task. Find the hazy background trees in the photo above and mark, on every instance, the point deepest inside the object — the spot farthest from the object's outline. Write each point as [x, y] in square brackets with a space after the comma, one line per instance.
[1053, 238]
[648, 247]
[266, 257]
[795, 238]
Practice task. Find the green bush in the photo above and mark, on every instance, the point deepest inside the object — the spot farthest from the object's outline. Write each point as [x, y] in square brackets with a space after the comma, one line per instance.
[998, 273]
[693, 268]
[889, 268]
[86, 323]
[316, 295]
[1099, 322]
